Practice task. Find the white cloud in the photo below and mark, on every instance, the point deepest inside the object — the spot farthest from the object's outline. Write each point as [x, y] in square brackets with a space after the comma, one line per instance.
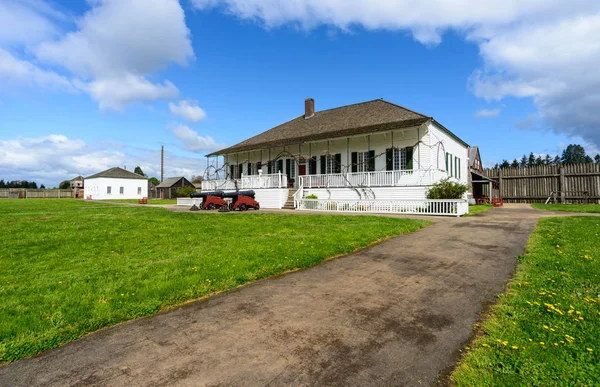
[115, 93]
[487, 113]
[547, 50]
[27, 21]
[188, 110]
[51, 159]
[19, 72]
[192, 141]
[112, 53]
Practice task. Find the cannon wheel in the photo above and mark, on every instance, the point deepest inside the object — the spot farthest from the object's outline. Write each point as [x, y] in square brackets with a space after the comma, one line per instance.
[211, 206]
[257, 207]
[243, 207]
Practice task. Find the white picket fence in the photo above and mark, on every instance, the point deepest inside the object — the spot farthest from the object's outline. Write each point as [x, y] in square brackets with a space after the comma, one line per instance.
[445, 207]
[372, 179]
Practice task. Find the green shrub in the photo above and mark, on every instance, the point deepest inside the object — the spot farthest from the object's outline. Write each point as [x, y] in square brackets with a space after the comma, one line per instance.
[446, 189]
[313, 196]
[185, 192]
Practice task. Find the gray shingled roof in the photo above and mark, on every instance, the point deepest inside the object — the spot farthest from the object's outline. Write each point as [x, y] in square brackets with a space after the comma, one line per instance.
[366, 117]
[117, 173]
[169, 182]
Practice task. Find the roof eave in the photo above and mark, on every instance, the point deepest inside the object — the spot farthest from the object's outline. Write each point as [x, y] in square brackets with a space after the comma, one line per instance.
[341, 133]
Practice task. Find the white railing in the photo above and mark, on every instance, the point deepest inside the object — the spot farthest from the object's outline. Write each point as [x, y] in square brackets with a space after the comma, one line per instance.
[274, 180]
[298, 195]
[451, 207]
[371, 179]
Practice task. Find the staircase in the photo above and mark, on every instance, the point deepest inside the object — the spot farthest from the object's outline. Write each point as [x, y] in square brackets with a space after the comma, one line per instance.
[289, 204]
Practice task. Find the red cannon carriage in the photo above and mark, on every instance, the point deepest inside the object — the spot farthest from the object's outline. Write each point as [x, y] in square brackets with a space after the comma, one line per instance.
[210, 200]
[242, 200]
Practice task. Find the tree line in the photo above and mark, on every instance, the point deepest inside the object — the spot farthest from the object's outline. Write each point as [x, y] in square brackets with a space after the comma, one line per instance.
[573, 154]
[20, 184]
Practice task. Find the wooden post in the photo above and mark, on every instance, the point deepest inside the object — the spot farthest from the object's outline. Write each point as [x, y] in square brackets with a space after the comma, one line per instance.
[499, 187]
[561, 184]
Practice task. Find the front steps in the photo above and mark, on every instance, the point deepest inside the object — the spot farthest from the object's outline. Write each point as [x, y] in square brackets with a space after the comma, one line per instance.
[289, 204]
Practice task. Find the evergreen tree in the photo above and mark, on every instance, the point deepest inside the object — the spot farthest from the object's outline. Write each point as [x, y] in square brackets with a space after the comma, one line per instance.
[556, 160]
[548, 160]
[42, 186]
[539, 160]
[65, 184]
[505, 164]
[531, 160]
[139, 171]
[514, 164]
[154, 180]
[523, 162]
[573, 154]
[597, 159]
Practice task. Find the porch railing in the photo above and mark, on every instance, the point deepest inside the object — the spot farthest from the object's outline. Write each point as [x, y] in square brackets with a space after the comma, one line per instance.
[448, 207]
[371, 179]
[274, 180]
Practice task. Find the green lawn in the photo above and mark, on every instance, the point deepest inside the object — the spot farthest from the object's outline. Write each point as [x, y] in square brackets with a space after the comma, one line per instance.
[479, 208]
[150, 201]
[545, 331]
[69, 267]
[567, 207]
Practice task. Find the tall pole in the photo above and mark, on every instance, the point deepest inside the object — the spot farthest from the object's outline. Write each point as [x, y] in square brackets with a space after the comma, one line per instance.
[162, 163]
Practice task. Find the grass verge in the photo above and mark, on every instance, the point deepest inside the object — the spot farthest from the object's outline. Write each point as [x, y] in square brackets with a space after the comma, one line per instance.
[590, 208]
[544, 331]
[479, 208]
[70, 267]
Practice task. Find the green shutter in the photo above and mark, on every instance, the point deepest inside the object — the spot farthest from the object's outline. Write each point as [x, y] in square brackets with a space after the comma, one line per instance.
[354, 162]
[231, 176]
[269, 167]
[447, 170]
[409, 158]
[312, 165]
[389, 159]
[459, 168]
[337, 165]
[288, 168]
[249, 169]
[323, 162]
[371, 163]
[240, 170]
[279, 166]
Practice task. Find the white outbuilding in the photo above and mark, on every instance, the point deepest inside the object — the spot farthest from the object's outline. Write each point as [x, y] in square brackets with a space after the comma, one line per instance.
[115, 183]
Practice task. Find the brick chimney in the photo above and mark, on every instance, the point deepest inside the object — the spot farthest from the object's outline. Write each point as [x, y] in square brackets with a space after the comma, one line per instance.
[309, 108]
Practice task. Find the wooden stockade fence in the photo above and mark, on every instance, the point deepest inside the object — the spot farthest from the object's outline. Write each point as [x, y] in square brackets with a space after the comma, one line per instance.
[574, 183]
[26, 193]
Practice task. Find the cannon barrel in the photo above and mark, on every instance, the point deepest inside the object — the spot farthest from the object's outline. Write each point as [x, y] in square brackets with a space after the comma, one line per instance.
[205, 194]
[233, 194]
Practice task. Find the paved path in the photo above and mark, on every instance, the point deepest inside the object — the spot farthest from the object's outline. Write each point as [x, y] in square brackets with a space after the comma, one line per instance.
[393, 314]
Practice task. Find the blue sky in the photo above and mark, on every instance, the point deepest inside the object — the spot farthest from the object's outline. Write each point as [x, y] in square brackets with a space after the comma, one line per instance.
[85, 86]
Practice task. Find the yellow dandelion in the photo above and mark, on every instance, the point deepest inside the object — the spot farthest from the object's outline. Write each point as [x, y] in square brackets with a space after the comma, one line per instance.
[542, 343]
[590, 350]
[484, 345]
[514, 347]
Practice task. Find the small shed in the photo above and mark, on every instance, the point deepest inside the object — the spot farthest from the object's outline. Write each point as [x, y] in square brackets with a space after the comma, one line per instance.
[168, 188]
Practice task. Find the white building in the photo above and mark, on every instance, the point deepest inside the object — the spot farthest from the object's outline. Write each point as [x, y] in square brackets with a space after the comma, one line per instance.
[115, 183]
[373, 156]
